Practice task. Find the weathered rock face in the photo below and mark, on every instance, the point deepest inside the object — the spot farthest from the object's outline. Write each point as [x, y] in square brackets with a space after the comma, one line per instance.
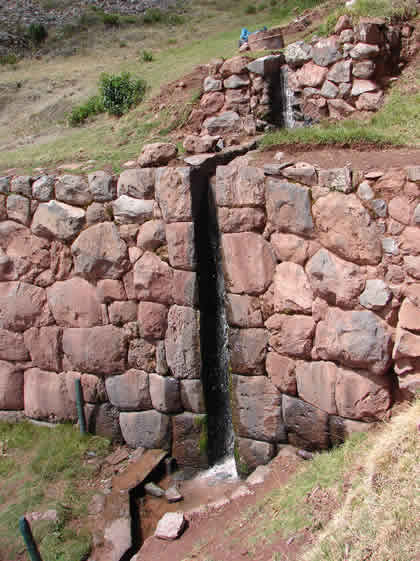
[322, 300]
[99, 252]
[346, 228]
[182, 342]
[249, 263]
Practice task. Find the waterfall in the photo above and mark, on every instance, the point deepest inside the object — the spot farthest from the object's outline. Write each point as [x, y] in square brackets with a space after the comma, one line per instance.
[287, 98]
[213, 324]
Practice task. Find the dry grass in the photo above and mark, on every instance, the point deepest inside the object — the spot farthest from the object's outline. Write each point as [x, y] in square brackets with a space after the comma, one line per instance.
[380, 517]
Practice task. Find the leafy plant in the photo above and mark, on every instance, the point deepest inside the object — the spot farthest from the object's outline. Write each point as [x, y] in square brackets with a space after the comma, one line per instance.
[120, 92]
[147, 56]
[10, 58]
[250, 9]
[111, 19]
[152, 15]
[37, 33]
[93, 106]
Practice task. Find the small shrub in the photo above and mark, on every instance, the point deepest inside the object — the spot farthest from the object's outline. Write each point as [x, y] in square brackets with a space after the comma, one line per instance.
[147, 56]
[251, 9]
[37, 33]
[79, 114]
[152, 15]
[10, 58]
[111, 19]
[120, 92]
[175, 19]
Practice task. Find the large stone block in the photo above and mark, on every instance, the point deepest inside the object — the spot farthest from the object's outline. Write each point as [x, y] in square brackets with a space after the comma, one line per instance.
[362, 396]
[102, 186]
[226, 122]
[173, 193]
[243, 311]
[311, 75]
[165, 393]
[73, 189]
[239, 187]
[288, 207]
[121, 313]
[189, 438]
[151, 235]
[316, 384]
[410, 241]
[409, 316]
[98, 350]
[102, 419]
[291, 335]
[18, 209]
[130, 391]
[192, 397]
[56, 220]
[326, 51]
[256, 409]
[152, 319]
[307, 426]
[407, 345]
[47, 397]
[137, 183]
[99, 252]
[357, 339]
[142, 355]
[75, 303]
[44, 345]
[337, 281]
[248, 348]
[292, 291]
[346, 228]
[248, 261]
[281, 371]
[12, 346]
[157, 154]
[128, 210]
[11, 387]
[181, 245]
[153, 279]
[289, 247]
[250, 454]
[147, 429]
[182, 342]
[233, 220]
[23, 305]
[185, 288]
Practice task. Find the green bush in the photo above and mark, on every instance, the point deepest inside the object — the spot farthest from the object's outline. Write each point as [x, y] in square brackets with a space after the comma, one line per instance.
[175, 19]
[120, 92]
[10, 58]
[93, 106]
[152, 15]
[251, 9]
[147, 56]
[37, 33]
[111, 19]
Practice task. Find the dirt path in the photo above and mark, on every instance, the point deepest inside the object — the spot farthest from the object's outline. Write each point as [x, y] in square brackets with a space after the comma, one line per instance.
[223, 535]
[330, 157]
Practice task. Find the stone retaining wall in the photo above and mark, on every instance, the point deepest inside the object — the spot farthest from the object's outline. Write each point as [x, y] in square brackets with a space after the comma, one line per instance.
[329, 77]
[98, 281]
[322, 271]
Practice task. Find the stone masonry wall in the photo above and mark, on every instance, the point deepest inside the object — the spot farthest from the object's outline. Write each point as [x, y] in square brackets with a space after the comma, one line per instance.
[330, 77]
[98, 282]
[322, 271]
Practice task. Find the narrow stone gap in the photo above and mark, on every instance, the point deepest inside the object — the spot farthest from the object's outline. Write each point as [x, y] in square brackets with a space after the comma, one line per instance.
[213, 325]
[136, 537]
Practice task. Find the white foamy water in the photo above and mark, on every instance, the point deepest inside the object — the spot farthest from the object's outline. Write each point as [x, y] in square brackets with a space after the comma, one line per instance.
[224, 470]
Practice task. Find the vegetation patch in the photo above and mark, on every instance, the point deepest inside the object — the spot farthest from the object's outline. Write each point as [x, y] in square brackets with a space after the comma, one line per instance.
[46, 468]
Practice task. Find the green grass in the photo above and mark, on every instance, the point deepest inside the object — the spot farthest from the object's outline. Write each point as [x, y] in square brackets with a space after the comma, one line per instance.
[45, 469]
[396, 123]
[111, 141]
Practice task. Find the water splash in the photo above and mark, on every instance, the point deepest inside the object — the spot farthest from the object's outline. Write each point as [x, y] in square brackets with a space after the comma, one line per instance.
[287, 96]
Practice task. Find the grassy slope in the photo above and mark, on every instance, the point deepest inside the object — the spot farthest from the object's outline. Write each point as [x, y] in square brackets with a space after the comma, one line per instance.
[45, 468]
[71, 80]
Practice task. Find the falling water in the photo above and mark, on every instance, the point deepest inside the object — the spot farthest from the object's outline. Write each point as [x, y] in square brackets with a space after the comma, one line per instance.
[213, 327]
[287, 97]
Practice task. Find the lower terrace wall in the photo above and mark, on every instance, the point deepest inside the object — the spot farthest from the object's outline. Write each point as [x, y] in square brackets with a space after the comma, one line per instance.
[98, 281]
